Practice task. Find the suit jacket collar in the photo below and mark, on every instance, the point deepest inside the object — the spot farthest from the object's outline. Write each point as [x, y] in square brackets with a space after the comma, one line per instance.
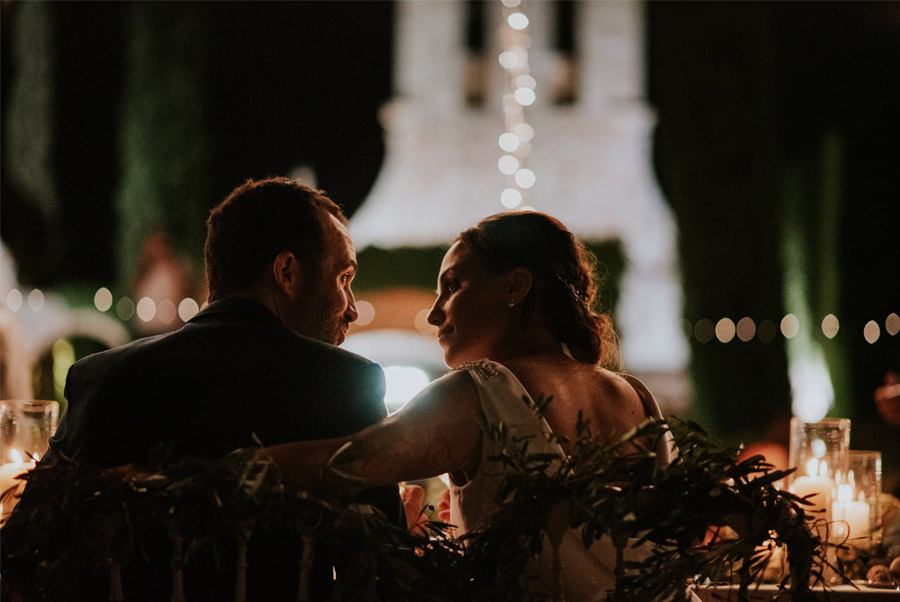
[240, 309]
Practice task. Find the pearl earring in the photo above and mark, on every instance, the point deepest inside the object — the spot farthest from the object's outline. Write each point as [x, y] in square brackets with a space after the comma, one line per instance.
[512, 303]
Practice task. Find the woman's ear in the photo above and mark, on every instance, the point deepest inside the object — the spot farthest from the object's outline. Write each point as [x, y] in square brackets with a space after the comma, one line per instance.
[287, 273]
[519, 282]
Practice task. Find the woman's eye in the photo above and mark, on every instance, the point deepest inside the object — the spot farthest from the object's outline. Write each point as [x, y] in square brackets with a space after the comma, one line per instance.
[452, 286]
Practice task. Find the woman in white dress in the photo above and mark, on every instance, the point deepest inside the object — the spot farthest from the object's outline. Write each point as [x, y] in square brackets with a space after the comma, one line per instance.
[514, 316]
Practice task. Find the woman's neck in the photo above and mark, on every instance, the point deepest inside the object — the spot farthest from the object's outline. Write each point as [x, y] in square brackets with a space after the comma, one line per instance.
[536, 342]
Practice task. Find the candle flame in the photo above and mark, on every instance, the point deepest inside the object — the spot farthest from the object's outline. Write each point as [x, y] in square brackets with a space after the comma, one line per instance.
[817, 468]
[845, 493]
[16, 456]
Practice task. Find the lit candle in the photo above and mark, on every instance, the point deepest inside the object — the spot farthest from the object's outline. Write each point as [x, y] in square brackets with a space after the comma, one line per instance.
[854, 515]
[814, 483]
[9, 474]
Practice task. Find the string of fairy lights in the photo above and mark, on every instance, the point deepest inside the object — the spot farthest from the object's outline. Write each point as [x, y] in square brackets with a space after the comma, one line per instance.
[703, 330]
[515, 141]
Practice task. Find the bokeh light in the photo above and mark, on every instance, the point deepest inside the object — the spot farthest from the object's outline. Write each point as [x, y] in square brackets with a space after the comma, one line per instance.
[187, 309]
[525, 96]
[525, 178]
[517, 21]
[508, 142]
[510, 198]
[14, 299]
[507, 164]
[704, 331]
[166, 311]
[524, 132]
[746, 329]
[871, 331]
[103, 299]
[146, 309]
[36, 299]
[125, 309]
[725, 330]
[790, 326]
[366, 313]
[892, 324]
[830, 326]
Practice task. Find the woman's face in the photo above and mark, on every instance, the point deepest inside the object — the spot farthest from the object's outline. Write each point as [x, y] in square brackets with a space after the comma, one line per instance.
[471, 311]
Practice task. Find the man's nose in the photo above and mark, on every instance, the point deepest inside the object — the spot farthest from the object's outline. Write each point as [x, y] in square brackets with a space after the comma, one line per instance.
[351, 313]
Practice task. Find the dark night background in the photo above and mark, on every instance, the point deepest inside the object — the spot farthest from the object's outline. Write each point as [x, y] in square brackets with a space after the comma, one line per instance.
[770, 114]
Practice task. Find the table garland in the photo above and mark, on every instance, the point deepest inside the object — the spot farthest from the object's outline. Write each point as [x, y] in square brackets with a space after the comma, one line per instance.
[74, 518]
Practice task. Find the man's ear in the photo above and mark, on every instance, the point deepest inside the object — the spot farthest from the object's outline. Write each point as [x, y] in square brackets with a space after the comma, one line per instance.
[519, 282]
[287, 273]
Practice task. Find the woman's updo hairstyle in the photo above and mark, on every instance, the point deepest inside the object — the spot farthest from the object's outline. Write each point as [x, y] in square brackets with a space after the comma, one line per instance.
[564, 287]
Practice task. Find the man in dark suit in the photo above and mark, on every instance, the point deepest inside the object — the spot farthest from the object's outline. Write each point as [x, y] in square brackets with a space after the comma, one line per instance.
[260, 360]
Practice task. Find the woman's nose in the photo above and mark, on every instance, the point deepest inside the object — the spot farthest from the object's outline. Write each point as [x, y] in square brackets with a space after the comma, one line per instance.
[435, 314]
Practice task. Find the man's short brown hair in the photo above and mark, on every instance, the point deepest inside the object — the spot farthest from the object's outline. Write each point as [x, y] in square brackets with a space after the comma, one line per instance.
[258, 220]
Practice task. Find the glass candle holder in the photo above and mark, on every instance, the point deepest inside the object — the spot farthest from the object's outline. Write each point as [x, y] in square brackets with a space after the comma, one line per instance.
[858, 493]
[25, 428]
[819, 452]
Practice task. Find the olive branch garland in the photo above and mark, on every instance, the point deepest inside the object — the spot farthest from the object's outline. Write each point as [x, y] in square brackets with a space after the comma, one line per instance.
[620, 490]
[74, 519]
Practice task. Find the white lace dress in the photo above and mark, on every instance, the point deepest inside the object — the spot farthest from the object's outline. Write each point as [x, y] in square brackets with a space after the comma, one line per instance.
[587, 573]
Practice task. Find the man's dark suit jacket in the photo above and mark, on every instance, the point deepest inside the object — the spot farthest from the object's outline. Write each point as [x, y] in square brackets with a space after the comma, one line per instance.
[231, 372]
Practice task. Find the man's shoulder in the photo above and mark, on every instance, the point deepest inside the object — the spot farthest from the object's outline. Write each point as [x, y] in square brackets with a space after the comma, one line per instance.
[329, 353]
[121, 353]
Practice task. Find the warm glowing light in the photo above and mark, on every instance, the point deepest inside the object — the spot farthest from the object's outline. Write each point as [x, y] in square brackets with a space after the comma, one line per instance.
[725, 330]
[526, 81]
[524, 132]
[103, 299]
[146, 309]
[871, 331]
[525, 96]
[704, 331]
[510, 198]
[892, 324]
[830, 326]
[517, 21]
[166, 311]
[509, 60]
[187, 309]
[36, 299]
[818, 448]
[508, 142]
[366, 313]
[402, 383]
[817, 468]
[790, 326]
[508, 165]
[525, 178]
[746, 329]
[14, 299]
[125, 309]
[766, 331]
[16, 456]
